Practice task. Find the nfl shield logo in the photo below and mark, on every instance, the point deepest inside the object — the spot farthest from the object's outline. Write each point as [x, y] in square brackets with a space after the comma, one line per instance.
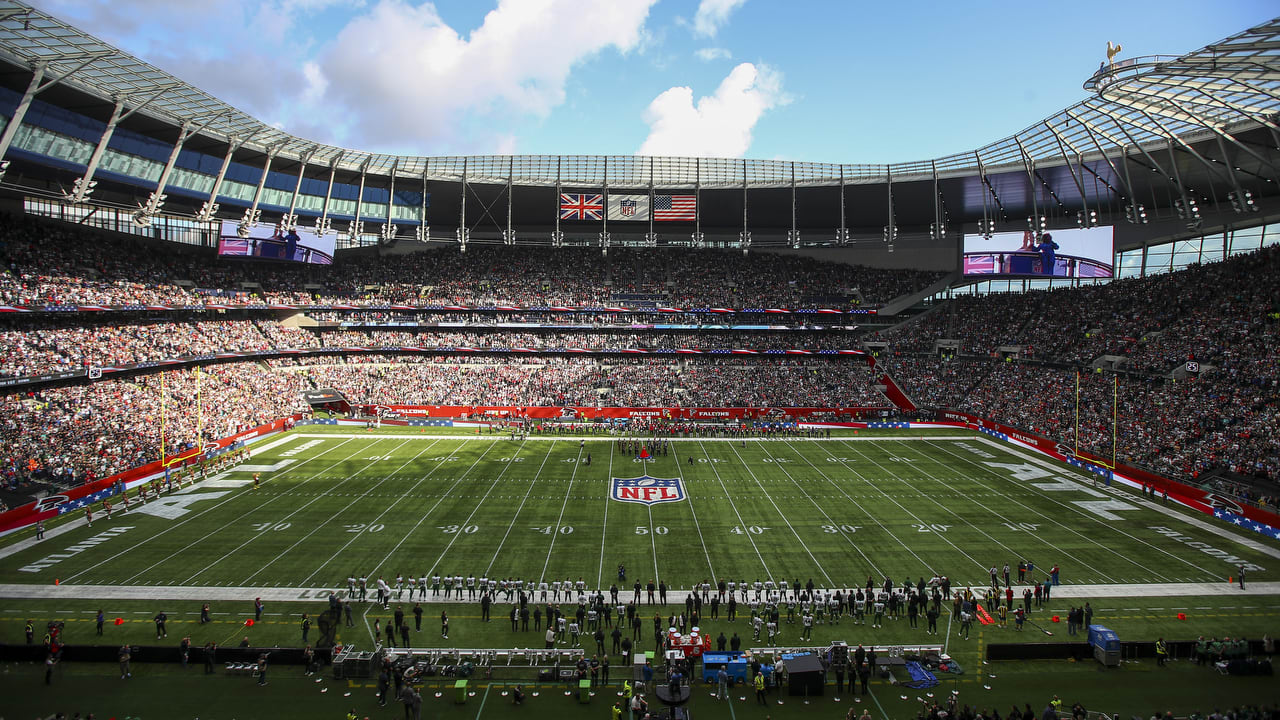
[647, 490]
[627, 207]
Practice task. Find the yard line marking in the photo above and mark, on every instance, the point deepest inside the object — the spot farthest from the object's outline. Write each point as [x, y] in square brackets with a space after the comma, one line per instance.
[604, 529]
[427, 514]
[197, 515]
[297, 510]
[1047, 517]
[506, 466]
[875, 568]
[560, 517]
[942, 536]
[870, 516]
[529, 489]
[729, 496]
[1038, 536]
[688, 496]
[1069, 506]
[783, 516]
[356, 536]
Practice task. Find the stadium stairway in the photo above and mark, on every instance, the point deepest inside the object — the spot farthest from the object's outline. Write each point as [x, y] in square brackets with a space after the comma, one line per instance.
[898, 304]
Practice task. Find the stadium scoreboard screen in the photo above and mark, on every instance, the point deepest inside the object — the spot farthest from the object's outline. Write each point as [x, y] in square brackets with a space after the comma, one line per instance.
[1070, 253]
[273, 242]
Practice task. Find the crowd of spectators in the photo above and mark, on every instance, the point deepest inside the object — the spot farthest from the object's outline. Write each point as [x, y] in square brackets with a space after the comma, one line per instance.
[1222, 314]
[552, 341]
[47, 265]
[73, 434]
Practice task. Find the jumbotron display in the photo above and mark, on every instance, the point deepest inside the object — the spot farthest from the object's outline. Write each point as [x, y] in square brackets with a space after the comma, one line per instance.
[1082, 253]
[274, 242]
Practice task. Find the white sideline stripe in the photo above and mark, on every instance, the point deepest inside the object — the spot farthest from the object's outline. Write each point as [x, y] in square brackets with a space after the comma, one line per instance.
[69, 591]
[1193, 521]
[219, 481]
[612, 438]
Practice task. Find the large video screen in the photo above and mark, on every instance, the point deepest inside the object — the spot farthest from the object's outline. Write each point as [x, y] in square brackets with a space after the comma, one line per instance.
[270, 242]
[1082, 253]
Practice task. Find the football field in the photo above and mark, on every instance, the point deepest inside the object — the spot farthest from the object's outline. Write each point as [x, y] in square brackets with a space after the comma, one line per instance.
[340, 502]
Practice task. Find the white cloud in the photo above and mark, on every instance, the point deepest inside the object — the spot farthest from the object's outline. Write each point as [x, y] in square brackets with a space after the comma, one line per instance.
[712, 14]
[711, 53]
[407, 79]
[719, 125]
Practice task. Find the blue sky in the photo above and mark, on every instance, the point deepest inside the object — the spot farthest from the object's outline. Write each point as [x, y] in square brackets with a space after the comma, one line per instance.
[797, 80]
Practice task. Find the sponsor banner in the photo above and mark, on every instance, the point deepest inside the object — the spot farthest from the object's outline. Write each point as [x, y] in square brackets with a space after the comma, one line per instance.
[52, 505]
[477, 412]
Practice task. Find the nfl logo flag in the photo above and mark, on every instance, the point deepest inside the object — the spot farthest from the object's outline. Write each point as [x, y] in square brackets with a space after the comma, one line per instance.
[627, 208]
[647, 490]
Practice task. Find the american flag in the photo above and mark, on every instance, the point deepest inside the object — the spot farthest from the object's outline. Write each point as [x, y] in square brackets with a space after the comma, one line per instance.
[675, 207]
[575, 206]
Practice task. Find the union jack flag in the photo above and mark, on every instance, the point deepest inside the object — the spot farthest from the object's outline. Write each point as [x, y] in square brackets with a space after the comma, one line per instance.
[574, 206]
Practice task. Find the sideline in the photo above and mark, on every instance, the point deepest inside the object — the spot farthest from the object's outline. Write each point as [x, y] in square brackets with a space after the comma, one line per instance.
[70, 591]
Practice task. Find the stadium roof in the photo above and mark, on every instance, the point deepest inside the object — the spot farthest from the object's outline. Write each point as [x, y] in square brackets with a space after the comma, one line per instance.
[1146, 102]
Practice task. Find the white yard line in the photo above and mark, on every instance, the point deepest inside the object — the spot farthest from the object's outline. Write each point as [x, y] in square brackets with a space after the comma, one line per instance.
[961, 518]
[506, 466]
[1184, 517]
[1071, 475]
[1049, 518]
[516, 516]
[741, 523]
[604, 530]
[871, 516]
[941, 536]
[198, 515]
[688, 497]
[356, 536]
[427, 514]
[781, 514]
[834, 523]
[296, 510]
[556, 533]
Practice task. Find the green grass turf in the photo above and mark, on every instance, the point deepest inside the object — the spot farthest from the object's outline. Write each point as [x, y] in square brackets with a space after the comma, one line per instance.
[832, 511]
[835, 511]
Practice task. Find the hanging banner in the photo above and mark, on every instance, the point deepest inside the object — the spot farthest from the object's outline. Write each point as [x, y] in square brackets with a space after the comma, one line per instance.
[629, 207]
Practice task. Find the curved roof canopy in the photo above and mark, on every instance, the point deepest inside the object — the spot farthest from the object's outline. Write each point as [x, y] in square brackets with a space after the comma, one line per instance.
[1138, 103]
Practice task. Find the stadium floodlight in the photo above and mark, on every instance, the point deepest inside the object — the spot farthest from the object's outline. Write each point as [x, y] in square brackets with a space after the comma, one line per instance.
[699, 239]
[462, 235]
[247, 221]
[937, 231]
[508, 237]
[423, 233]
[1187, 209]
[605, 240]
[82, 188]
[793, 239]
[744, 241]
[1037, 223]
[842, 236]
[557, 239]
[1136, 213]
[289, 221]
[651, 239]
[141, 218]
[890, 233]
[4, 168]
[1087, 218]
[987, 227]
[323, 226]
[207, 211]
[1242, 201]
[355, 229]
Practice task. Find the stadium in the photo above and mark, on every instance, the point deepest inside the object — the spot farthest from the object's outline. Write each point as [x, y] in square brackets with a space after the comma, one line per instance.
[741, 437]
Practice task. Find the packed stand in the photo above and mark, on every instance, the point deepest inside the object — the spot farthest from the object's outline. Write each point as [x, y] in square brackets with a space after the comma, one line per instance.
[47, 265]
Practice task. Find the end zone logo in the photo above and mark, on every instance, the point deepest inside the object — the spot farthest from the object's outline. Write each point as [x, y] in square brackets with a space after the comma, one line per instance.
[647, 490]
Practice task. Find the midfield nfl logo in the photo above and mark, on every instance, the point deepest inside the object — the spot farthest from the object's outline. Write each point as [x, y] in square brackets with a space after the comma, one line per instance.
[647, 490]
[627, 207]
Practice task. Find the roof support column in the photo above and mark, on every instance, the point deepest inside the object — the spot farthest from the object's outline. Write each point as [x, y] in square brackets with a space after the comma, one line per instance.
[356, 229]
[252, 213]
[389, 227]
[509, 235]
[85, 183]
[424, 230]
[155, 201]
[462, 211]
[210, 206]
[19, 113]
[322, 224]
[290, 220]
